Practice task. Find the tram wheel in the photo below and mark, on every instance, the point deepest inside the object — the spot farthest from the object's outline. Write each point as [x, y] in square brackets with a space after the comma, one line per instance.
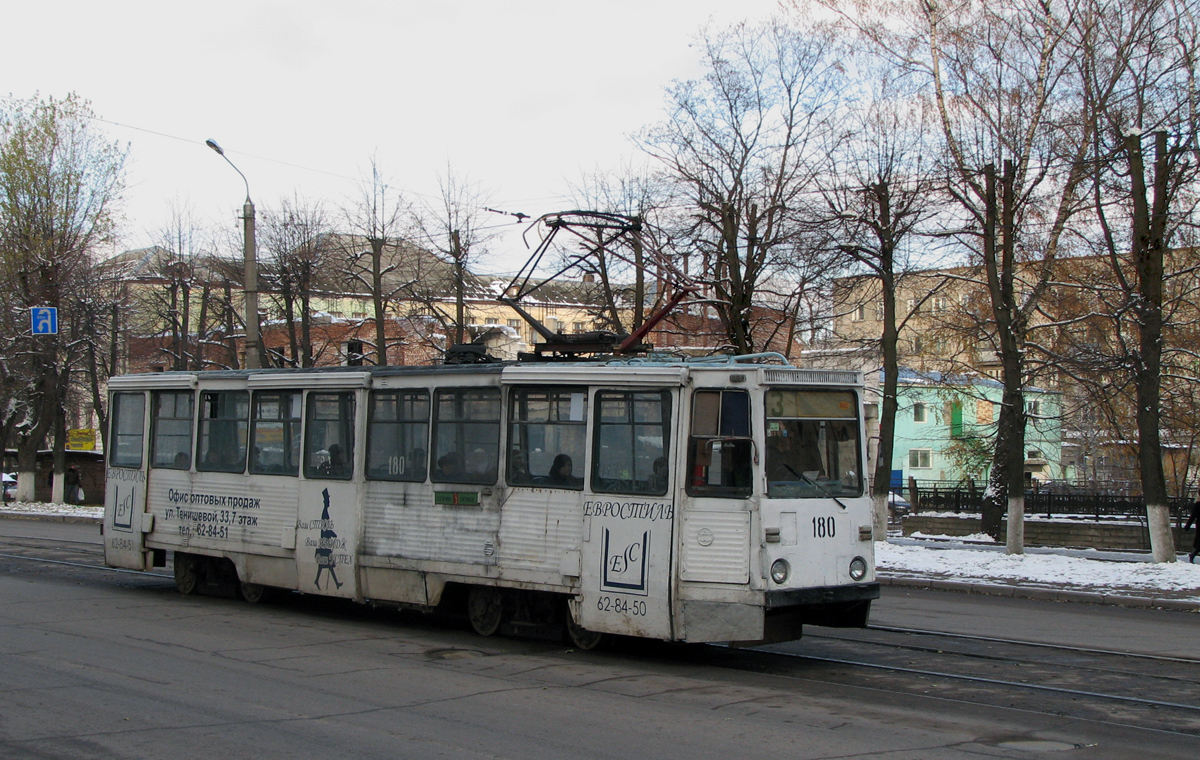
[485, 609]
[187, 573]
[253, 592]
[581, 637]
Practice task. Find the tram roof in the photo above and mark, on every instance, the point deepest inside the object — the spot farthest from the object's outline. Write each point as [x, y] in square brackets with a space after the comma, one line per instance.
[634, 370]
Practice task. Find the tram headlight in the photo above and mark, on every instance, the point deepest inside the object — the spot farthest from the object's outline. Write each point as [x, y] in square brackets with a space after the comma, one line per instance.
[858, 569]
[780, 569]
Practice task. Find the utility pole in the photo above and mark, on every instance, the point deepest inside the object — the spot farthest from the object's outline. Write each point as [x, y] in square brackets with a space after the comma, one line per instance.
[459, 307]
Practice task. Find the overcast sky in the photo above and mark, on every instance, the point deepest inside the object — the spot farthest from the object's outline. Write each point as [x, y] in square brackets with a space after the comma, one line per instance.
[521, 97]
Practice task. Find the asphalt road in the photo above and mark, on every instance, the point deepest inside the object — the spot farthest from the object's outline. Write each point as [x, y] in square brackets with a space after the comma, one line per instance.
[98, 664]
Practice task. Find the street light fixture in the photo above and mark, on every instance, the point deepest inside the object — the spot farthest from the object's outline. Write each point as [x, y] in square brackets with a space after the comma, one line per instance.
[250, 288]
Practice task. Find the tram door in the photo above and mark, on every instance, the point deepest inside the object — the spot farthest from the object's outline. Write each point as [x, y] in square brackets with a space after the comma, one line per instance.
[125, 520]
[629, 516]
[328, 513]
[715, 540]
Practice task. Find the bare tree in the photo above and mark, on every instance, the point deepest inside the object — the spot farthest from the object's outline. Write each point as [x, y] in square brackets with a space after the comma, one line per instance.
[300, 248]
[742, 146]
[879, 193]
[380, 220]
[453, 227]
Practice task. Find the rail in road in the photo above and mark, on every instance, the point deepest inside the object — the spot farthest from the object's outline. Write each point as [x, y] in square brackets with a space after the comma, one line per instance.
[1132, 691]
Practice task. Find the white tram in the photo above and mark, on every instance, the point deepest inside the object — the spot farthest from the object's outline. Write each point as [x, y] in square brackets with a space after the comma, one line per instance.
[688, 501]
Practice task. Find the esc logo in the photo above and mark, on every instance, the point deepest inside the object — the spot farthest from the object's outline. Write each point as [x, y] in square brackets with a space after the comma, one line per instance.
[44, 319]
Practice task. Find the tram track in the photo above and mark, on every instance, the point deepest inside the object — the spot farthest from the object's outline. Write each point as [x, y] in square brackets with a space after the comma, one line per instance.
[1098, 685]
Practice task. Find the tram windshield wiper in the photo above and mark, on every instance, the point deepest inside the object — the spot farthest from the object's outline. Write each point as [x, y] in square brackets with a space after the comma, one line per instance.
[823, 489]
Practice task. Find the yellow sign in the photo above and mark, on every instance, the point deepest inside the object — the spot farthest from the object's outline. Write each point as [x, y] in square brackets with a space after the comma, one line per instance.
[81, 440]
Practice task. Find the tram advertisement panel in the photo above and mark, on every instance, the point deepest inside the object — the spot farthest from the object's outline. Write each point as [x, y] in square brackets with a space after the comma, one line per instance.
[627, 565]
[327, 539]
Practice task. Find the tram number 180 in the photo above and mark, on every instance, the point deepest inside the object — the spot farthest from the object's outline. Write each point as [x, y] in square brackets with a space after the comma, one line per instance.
[824, 527]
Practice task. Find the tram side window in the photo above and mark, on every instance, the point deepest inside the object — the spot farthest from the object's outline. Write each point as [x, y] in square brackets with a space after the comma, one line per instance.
[128, 416]
[275, 433]
[547, 437]
[224, 425]
[398, 435]
[720, 449]
[329, 436]
[631, 451]
[466, 432]
[813, 446]
[171, 430]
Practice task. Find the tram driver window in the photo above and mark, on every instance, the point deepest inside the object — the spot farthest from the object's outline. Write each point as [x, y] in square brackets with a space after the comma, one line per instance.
[547, 437]
[171, 430]
[224, 423]
[466, 435]
[329, 436]
[720, 449]
[275, 433]
[398, 435]
[813, 446]
[631, 449]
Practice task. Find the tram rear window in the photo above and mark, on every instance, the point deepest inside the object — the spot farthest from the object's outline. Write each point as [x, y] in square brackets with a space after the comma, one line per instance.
[224, 426]
[632, 442]
[171, 430]
[329, 436]
[547, 437]
[398, 435]
[466, 432]
[275, 433]
[128, 418]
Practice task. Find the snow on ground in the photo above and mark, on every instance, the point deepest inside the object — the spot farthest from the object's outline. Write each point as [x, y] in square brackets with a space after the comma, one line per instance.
[1040, 569]
[975, 559]
[31, 508]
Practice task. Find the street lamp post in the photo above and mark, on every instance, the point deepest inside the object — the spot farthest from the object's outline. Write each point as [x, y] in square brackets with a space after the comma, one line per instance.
[250, 288]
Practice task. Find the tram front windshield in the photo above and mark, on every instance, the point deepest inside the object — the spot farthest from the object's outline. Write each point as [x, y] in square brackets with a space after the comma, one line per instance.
[812, 444]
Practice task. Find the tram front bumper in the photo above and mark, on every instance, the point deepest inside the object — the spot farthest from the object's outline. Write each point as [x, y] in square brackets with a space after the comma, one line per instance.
[808, 597]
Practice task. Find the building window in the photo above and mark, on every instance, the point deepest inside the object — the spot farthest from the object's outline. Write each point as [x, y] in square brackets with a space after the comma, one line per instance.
[920, 412]
[1033, 454]
[859, 314]
[1033, 408]
[354, 353]
[579, 327]
[984, 412]
[514, 324]
[920, 459]
[491, 321]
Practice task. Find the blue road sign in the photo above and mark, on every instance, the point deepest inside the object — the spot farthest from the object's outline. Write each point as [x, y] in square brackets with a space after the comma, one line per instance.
[45, 320]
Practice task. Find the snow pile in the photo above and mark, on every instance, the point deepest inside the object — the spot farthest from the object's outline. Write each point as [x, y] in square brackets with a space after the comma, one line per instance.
[39, 508]
[1049, 570]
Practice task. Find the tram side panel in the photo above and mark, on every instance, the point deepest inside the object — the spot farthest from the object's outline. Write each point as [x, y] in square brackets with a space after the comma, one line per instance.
[251, 520]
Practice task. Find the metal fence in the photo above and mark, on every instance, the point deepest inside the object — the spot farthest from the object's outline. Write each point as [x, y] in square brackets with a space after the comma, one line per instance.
[1054, 499]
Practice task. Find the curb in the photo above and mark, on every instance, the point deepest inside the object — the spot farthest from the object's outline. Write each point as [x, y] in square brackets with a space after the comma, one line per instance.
[1042, 594]
[50, 518]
